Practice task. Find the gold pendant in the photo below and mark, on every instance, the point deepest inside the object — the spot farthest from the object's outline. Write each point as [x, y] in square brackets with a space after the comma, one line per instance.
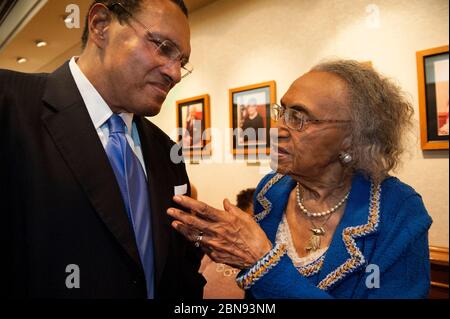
[314, 241]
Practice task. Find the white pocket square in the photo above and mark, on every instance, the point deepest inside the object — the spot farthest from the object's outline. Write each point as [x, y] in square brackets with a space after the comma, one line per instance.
[180, 189]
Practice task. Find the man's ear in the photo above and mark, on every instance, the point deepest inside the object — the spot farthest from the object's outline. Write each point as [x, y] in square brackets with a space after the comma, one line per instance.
[99, 22]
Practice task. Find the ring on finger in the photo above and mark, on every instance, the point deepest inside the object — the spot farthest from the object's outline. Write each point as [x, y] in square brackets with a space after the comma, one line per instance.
[198, 239]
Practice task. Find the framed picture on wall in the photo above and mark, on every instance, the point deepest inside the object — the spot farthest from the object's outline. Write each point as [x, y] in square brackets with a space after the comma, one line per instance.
[250, 117]
[193, 121]
[432, 72]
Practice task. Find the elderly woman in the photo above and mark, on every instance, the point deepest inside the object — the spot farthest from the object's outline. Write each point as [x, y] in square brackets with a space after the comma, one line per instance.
[331, 222]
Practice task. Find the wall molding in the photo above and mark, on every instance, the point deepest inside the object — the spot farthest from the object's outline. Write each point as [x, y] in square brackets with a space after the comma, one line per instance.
[439, 255]
[439, 287]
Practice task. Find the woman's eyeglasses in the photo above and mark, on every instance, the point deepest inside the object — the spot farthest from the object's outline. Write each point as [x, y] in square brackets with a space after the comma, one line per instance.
[295, 119]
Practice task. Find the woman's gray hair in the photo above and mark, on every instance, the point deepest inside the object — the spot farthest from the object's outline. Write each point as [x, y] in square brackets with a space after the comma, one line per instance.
[381, 115]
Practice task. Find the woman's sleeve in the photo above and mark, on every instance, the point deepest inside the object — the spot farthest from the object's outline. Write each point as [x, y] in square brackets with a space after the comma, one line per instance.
[285, 282]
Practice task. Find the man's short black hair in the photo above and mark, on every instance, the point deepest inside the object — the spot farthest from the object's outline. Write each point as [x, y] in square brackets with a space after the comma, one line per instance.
[245, 198]
[131, 6]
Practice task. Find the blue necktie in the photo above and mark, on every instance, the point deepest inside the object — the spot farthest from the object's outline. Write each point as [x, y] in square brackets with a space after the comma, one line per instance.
[133, 186]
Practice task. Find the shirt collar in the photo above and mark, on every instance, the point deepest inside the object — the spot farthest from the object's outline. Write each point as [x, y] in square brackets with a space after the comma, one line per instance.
[96, 106]
[128, 119]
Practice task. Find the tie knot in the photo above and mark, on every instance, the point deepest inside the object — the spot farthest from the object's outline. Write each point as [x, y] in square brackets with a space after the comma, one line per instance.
[116, 124]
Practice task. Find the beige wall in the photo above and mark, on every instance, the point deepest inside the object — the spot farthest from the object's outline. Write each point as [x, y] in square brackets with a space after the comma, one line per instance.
[236, 43]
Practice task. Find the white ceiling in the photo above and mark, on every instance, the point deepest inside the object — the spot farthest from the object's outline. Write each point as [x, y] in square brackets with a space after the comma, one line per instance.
[34, 20]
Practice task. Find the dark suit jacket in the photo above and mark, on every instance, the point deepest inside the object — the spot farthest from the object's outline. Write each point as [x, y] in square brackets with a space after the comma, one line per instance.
[61, 205]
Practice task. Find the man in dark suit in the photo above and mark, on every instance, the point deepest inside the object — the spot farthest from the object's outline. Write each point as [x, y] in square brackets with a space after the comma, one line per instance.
[73, 144]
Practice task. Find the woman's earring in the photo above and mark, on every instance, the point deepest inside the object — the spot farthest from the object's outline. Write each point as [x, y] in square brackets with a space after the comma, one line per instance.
[345, 158]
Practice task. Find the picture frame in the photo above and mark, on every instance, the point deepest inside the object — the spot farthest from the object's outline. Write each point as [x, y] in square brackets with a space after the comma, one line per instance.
[433, 86]
[250, 117]
[193, 120]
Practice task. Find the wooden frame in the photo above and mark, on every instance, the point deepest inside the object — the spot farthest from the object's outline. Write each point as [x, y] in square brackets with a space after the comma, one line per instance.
[194, 128]
[252, 100]
[432, 93]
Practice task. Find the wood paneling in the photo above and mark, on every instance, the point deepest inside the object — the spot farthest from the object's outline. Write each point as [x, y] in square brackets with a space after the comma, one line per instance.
[439, 273]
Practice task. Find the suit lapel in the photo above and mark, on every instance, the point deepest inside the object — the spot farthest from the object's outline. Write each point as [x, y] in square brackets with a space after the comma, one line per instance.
[71, 129]
[160, 192]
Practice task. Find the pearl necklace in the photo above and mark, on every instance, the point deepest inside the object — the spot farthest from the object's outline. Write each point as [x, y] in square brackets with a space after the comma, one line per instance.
[321, 214]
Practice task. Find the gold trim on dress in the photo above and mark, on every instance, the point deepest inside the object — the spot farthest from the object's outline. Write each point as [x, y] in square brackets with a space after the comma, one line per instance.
[313, 268]
[265, 203]
[348, 236]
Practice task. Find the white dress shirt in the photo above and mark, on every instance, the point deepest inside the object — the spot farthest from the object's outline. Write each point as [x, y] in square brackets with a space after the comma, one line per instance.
[100, 112]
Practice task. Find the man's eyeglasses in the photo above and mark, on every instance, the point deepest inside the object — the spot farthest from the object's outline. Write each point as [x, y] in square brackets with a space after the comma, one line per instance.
[164, 48]
[295, 119]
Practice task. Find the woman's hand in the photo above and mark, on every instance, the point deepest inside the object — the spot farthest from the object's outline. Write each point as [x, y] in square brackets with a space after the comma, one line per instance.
[230, 237]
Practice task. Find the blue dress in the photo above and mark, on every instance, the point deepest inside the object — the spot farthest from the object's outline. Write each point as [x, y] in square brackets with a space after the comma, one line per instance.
[379, 249]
